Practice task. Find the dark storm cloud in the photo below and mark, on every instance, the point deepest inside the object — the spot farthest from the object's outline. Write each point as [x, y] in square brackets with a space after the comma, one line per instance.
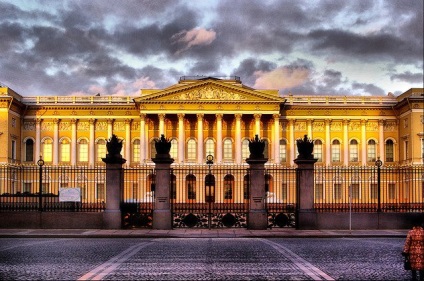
[249, 66]
[409, 77]
[356, 46]
[368, 88]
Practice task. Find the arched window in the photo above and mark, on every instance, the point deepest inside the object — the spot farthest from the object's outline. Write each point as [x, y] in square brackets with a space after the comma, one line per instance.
[371, 151]
[47, 150]
[136, 150]
[245, 149]
[228, 149]
[29, 150]
[389, 151]
[335, 151]
[353, 151]
[100, 150]
[228, 187]
[210, 147]
[83, 150]
[191, 150]
[318, 150]
[174, 149]
[65, 150]
[246, 184]
[191, 187]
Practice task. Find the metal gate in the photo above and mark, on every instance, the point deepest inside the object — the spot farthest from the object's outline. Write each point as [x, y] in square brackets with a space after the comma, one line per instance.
[209, 197]
[138, 197]
[280, 185]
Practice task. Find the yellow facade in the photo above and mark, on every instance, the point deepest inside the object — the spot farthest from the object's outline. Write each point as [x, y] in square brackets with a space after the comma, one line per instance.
[212, 116]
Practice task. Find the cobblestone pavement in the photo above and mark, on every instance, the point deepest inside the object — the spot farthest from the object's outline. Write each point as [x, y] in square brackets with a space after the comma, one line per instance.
[201, 259]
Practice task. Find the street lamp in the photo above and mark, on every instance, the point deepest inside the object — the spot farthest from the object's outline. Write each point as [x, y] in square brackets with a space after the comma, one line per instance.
[40, 164]
[209, 187]
[378, 163]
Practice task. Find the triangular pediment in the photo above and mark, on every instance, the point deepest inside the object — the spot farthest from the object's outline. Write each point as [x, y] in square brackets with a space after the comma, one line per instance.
[208, 91]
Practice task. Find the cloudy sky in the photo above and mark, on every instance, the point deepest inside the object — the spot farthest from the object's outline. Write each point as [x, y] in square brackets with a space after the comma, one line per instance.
[328, 47]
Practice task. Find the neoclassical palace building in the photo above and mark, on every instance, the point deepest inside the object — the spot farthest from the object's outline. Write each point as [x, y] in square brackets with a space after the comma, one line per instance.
[212, 116]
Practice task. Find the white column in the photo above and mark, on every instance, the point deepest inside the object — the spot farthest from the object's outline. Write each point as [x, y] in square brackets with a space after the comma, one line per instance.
[276, 138]
[309, 125]
[381, 140]
[73, 142]
[142, 138]
[219, 138]
[328, 142]
[345, 143]
[37, 139]
[127, 155]
[199, 138]
[161, 124]
[109, 128]
[363, 142]
[55, 141]
[181, 138]
[238, 138]
[257, 124]
[292, 141]
[91, 148]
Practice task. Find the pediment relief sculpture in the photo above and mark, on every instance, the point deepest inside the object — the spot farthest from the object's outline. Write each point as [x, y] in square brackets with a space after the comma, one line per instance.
[209, 93]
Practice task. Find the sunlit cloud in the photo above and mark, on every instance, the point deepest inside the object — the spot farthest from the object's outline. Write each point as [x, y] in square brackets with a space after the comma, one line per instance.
[281, 78]
[194, 37]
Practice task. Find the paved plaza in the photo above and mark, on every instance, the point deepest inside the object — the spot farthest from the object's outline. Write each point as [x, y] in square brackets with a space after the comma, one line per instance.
[77, 257]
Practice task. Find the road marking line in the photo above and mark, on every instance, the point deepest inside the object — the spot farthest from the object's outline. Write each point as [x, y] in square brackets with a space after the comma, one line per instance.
[312, 271]
[104, 269]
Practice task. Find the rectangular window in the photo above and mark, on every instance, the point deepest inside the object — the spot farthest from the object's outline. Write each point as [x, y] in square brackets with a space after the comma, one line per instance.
[83, 152]
[319, 191]
[355, 191]
[391, 191]
[136, 152]
[338, 192]
[65, 152]
[422, 149]
[354, 153]
[48, 152]
[335, 153]
[45, 187]
[101, 152]
[406, 156]
[283, 153]
[228, 191]
[191, 191]
[374, 191]
[389, 152]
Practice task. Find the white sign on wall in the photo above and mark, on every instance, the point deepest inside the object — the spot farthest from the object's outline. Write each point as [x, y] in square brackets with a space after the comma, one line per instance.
[72, 194]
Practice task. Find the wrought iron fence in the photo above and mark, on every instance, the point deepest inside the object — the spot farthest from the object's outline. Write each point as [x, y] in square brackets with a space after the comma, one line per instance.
[34, 188]
[138, 197]
[209, 200]
[280, 201]
[369, 189]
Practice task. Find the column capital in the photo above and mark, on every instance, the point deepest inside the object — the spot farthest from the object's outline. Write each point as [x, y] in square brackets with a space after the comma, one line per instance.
[180, 116]
[346, 121]
[161, 116]
[93, 121]
[381, 122]
[200, 116]
[128, 121]
[238, 116]
[257, 115]
[276, 116]
[56, 121]
[219, 116]
[142, 116]
[74, 121]
[38, 121]
[110, 121]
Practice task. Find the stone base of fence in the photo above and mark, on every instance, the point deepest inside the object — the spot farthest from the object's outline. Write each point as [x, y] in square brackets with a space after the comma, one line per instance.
[257, 219]
[162, 219]
[112, 219]
[306, 219]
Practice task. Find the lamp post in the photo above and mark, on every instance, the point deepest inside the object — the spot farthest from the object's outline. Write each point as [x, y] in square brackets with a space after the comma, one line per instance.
[40, 164]
[209, 188]
[378, 163]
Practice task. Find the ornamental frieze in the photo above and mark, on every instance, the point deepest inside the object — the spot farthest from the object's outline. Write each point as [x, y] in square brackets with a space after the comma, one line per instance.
[372, 126]
[64, 126]
[300, 126]
[83, 126]
[135, 126]
[29, 126]
[119, 126]
[389, 126]
[354, 126]
[209, 93]
[47, 126]
[319, 126]
[101, 126]
[336, 126]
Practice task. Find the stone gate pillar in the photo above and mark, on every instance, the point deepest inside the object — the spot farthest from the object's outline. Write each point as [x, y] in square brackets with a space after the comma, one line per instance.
[162, 215]
[112, 217]
[257, 217]
[305, 212]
